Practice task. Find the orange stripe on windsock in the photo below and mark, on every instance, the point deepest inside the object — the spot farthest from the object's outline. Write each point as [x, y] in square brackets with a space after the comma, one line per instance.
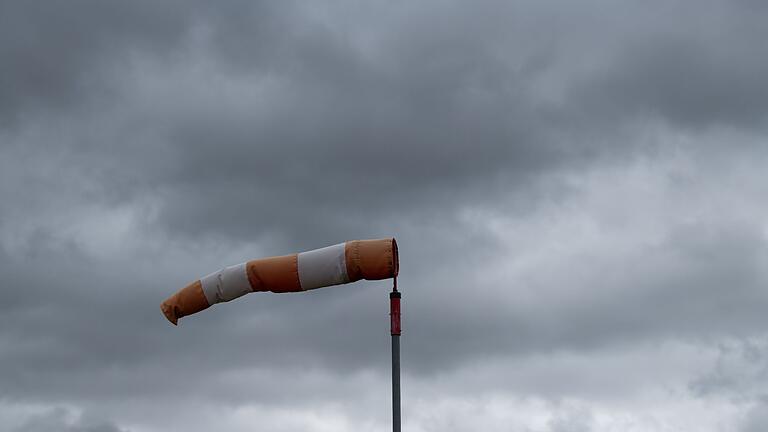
[276, 274]
[371, 259]
[332, 265]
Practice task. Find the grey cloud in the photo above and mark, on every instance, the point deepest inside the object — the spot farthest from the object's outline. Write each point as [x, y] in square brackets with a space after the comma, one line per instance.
[572, 421]
[689, 270]
[60, 420]
[57, 56]
[757, 419]
[684, 81]
[740, 372]
[690, 68]
[272, 128]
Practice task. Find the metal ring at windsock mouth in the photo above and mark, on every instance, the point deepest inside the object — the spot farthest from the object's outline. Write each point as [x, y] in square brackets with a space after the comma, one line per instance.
[395, 258]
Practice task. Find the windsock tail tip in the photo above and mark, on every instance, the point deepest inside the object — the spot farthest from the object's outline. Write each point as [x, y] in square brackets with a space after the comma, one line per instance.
[168, 312]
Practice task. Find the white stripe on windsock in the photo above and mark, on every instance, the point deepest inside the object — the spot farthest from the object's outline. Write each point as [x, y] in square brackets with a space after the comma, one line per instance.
[323, 267]
[226, 284]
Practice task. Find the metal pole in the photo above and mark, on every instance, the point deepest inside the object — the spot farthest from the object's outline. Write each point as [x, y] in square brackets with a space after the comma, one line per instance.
[394, 313]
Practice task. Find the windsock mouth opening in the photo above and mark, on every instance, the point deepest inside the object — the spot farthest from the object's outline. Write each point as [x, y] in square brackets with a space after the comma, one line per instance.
[395, 258]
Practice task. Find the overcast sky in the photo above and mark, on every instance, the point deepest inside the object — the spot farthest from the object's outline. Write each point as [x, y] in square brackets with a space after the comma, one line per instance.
[579, 191]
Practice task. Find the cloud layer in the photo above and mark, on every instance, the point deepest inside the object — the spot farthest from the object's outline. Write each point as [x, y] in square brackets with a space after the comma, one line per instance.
[578, 192]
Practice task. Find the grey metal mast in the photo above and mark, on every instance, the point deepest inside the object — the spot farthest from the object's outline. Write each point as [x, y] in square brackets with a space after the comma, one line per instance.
[394, 313]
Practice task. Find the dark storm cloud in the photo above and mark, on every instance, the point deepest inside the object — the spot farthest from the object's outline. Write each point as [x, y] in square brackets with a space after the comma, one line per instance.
[59, 55]
[402, 126]
[694, 68]
[276, 127]
[682, 81]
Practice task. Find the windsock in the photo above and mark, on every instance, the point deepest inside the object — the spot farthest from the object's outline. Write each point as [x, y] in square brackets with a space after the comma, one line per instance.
[332, 265]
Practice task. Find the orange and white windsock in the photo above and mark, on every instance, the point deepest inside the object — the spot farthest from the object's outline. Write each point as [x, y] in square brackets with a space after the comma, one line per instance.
[332, 265]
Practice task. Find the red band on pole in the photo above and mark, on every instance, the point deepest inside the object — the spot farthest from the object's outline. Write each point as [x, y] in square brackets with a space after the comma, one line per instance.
[394, 312]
